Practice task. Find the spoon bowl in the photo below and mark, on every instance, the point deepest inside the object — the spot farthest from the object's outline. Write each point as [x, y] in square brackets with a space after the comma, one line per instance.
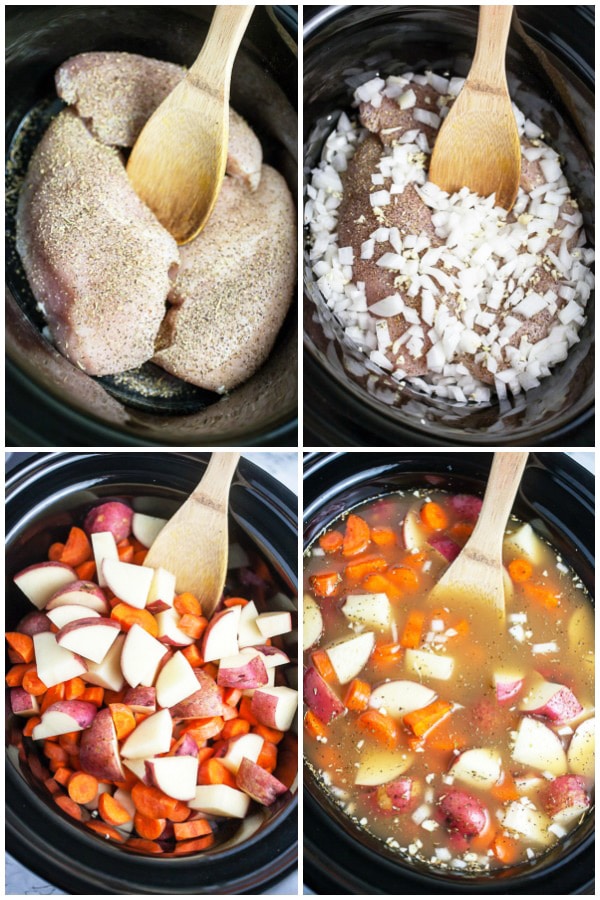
[178, 162]
[478, 144]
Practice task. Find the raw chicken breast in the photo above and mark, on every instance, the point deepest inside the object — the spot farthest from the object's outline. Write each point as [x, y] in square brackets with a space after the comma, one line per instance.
[234, 286]
[116, 93]
[98, 261]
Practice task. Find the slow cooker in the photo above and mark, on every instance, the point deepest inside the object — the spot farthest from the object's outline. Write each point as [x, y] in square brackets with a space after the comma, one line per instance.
[550, 65]
[557, 496]
[46, 494]
[52, 403]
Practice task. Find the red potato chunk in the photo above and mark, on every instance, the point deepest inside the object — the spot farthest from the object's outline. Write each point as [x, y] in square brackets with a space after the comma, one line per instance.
[448, 548]
[466, 506]
[319, 697]
[463, 813]
[258, 783]
[566, 794]
[400, 795]
[34, 623]
[113, 516]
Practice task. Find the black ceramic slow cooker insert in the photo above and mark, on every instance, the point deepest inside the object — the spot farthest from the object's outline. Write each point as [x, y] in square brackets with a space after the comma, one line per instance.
[44, 496]
[557, 496]
[50, 402]
[550, 65]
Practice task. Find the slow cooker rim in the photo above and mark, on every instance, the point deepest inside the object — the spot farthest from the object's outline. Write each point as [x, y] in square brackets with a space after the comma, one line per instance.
[261, 870]
[315, 466]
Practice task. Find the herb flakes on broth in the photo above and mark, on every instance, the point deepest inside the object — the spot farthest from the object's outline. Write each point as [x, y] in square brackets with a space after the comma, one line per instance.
[453, 742]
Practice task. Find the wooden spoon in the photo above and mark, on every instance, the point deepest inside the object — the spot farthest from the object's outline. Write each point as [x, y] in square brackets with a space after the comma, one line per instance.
[478, 144]
[194, 543]
[476, 576]
[178, 161]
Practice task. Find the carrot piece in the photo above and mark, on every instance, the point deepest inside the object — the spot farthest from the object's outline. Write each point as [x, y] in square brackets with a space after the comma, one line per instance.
[325, 584]
[77, 548]
[180, 812]
[415, 560]
[234, 727]
[331, 542]
[55, 551]
[357, 695]
[139, 557]
[433, 516]
[520, 570]
[68, 806]
[144, 845]
[381, 584]
[234, 601]
[505, 849]
[74, 688]
[187, 603]
[52, 785]
[152, 802]
[21, 645]
[193, 626]
[54, 752]
[15, 674]
[196, 828]
[125, 552]
[32, 684]
[86, 571]
[147, 827]
[359, 569]
[232, 696]
[93, 695]
[506, 790]
[53, 695]
[404, 578]
[211, 669]
[204, 729]
[113, 812]
[357, 536]
[286, 769]
[127, 616]
[481, 842]
[269, 734]
[124, 721]
[314, 726]
[462, 531]
[540, 594]
[202, 843]
[323, 665]
[462, 627]
[384, 537]
[382, 728]
[245, 710]
[421, 721]
[411, 633]
[193, 655]
[82, 788]
[385, 654]
[62, 775]
[70, 742]
[267, 758]
[212, 771]
[105, 831]
[30, 725]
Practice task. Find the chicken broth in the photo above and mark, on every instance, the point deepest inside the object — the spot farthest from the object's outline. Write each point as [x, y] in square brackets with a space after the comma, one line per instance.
[454, 740]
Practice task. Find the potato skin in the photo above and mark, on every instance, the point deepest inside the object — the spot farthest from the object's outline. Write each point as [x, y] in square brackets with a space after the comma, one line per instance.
[463, 813]
[99, 755]
[112, 516]
[564, 792]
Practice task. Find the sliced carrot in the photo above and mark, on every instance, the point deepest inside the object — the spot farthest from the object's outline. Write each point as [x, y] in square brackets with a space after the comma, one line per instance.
[21, 645]
[413, 627]
[325, 584]
[53, 695]
[32, 684]
[125, 551]
[360, 569]
[404, 578]
[187, 603]
[269, 734]
[380, 727]
[105, 831]
[421, 721]
[386, 654]
[520, 570]
[416, 560]
[113, 812]
[506, 790]
[357, 536]
[204, 729]
[506, 849]
[86, 571]
[152, 802]
[211, 669]
[180, 812]
[139, 557]
[286, 769]
[144, 846]
[193, 655]
[55, 752]
[231, 696]
[462, 627]
[193, 626]
[267, 758]
[30, 725]
[235, 601]
[381, 584]
[384, 537]
[196, 828]
[93, 695]
[235, 727]
[62, 775]
[245, 710]
[127, 616]
[357, 695]
[462, 531]
[433, 516]
[331, 541]
[70, 742]
[55, 551]
[124, 721]
[314, 726]
[52, 785]
[202, 843]
[540, 594]
[74, 688]
[323, 665]
[15, 674]
[149, 828]
[212, 771]
[77, 549]
[82, 788]
[68, 806]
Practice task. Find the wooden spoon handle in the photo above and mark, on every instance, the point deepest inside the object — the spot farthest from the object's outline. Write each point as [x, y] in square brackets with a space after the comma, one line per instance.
[503, 483]
[213, 489]
[215, 61]
[492, 36]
